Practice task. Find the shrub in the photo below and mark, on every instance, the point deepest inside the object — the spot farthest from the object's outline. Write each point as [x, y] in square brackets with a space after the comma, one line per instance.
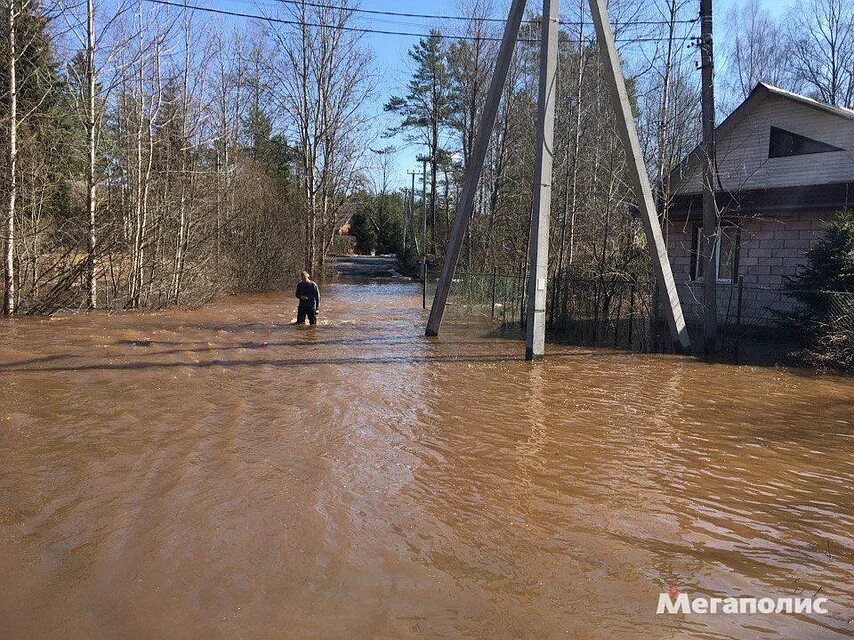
[824, 289]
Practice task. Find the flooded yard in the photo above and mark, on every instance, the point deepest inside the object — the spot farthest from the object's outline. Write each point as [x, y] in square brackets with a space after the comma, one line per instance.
[219, 473]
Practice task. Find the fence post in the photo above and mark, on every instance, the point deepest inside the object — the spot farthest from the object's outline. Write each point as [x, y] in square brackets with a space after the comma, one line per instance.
[738, 316]
[504, 305]
[522, 302]
[631, 312]
[492, 308]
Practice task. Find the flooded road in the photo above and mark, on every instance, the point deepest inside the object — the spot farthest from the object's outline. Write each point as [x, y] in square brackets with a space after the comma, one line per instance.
[218, 473]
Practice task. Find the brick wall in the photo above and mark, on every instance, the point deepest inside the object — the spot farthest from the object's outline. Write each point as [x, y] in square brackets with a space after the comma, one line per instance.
[770, 249]
[679, 239]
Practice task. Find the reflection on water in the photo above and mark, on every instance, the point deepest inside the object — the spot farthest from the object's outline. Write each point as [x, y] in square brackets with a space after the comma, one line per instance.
[219, 473]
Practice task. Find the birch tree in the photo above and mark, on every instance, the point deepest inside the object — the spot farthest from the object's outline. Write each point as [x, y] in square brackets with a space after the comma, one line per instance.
[754, 52]
[12, 12]
[822, 37]
[322, 84]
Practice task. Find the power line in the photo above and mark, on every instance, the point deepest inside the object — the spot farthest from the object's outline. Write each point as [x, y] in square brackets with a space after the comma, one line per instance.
[252, 16]
[376, 16]
[432, 16]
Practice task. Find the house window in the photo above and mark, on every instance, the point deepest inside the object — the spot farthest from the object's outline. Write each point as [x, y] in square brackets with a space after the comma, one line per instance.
[726, 254]
[785, 144]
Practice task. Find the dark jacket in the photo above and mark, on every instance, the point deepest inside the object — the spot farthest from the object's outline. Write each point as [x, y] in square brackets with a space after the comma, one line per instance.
[310, 292]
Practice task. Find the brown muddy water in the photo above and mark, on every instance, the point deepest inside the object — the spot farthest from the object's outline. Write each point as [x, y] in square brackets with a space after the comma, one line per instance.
[218, 473]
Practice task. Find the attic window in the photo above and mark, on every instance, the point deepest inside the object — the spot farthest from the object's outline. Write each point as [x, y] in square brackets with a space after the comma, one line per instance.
[785, 144]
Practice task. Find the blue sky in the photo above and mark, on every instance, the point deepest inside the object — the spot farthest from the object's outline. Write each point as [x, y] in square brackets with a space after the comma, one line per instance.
[391, 56]
[391, 63]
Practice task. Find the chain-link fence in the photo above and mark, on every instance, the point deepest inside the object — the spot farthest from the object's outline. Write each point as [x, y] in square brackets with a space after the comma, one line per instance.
[608, 311]
[834, 344]
[499, 296]
[755, 323]
[738, 303]
[758, 321]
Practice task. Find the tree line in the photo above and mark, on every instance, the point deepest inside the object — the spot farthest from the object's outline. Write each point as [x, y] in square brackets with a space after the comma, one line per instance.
[155, 156]
[809, 50]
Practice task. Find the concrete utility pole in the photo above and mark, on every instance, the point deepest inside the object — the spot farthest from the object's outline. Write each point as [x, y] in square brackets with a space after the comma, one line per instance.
[538, 272]
[424, 234]
[412, 175]
[475, 166]
[638, 175]
[407, 209]
[708, 241]
[539, 250]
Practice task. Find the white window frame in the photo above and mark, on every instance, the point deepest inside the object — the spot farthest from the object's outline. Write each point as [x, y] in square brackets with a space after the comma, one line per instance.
[697, 239]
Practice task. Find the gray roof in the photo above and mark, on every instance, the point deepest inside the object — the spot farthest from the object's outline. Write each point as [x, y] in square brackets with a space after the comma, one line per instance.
[809, 102]
[760, 93]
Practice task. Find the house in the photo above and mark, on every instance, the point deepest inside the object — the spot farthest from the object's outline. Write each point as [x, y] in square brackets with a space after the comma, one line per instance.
[344, 244]
[786, 165]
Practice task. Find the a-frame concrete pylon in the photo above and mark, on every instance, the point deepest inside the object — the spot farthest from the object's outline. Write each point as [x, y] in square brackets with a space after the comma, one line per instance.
[637, 173]
[639, 177]
[475, 168]
[538, 266]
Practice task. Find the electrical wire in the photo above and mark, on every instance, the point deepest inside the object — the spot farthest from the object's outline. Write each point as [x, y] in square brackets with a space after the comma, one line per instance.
[430, 16]
[376, 16]
[252, 16]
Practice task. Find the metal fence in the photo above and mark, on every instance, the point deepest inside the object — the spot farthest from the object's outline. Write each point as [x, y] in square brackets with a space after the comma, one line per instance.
[803, 320]
[834, 345]
[496, 295]
[840, 311]
[753, 316]
[620, 312]
[609, 311]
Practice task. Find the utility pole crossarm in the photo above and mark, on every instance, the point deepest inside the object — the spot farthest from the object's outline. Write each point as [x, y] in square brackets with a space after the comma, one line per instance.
[475, 167]
[638, 174]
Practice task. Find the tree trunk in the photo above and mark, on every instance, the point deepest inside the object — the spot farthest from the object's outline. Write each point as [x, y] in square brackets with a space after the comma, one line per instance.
[12, 159]
[664, 121]
[91, 282]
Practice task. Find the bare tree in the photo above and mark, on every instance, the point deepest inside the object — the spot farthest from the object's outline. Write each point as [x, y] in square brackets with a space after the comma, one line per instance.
[822, 36]
[469, 66]
[322, 85]
[91, 282]
[754, 53]
[12, 12]
[146, 91]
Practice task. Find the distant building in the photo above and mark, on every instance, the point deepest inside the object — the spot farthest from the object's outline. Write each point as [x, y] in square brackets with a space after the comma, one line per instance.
[786, 165]
[344, 243]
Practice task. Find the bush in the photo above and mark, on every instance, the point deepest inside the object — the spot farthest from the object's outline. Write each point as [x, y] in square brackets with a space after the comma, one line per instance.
[363, 229]
[824, 289]
[409, 262]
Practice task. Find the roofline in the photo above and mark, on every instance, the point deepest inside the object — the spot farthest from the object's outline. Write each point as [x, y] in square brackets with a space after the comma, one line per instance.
[848, 114]
[759, 94]
[828, 197]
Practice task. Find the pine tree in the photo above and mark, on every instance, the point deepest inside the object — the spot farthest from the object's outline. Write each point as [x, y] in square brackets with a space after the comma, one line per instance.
[270, 150]
[830, 264]
[824, 289]
[426, 109]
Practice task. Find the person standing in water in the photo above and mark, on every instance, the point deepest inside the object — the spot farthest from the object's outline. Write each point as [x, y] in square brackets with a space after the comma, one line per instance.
[309, 299]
